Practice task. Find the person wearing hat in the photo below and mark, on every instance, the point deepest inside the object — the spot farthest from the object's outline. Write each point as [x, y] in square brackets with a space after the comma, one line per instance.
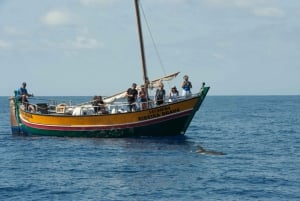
[23, 94]
[186, 87]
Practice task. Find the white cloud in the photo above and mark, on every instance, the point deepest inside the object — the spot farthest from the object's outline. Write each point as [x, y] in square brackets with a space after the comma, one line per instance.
[5, 44]
[170, 1]
[262, 8]
[72, 47]
[82, 42]
[222, 3]
[244, 3]
[238, 3]
[218, 56]
[11, 30]
[112, 2]
[268, 12]
[98, 2]
[56, 18]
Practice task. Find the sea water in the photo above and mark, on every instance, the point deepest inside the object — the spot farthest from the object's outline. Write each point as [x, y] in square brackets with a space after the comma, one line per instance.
[259, 135]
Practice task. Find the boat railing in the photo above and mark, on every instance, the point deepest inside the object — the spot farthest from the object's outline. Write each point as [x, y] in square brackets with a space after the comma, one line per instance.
[87, 108]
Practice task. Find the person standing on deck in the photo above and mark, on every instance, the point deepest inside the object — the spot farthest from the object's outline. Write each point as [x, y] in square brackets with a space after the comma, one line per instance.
[132, 97]
[186, 87]
[160, 95]
[142, 98]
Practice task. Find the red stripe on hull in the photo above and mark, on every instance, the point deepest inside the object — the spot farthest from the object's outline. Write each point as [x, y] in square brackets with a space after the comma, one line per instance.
[95, 128]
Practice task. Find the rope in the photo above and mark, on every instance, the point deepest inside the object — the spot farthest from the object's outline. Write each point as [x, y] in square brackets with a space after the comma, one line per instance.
[155, 47]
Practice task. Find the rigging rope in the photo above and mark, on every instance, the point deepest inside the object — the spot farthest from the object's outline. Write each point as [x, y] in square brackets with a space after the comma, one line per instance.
[155, 47]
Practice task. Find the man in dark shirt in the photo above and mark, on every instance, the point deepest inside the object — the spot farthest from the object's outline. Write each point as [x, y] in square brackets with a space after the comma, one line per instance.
[131, 97]
[160, 95]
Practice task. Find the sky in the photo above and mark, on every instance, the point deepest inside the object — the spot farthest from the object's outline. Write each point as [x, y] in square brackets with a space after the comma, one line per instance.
[90, 47]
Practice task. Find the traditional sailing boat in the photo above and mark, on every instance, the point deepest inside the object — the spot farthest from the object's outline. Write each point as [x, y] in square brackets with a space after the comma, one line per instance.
[168, 119]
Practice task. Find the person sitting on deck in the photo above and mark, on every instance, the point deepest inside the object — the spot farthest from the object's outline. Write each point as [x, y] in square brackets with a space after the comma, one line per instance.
[22, 95]
[98, 104]
[174, 94]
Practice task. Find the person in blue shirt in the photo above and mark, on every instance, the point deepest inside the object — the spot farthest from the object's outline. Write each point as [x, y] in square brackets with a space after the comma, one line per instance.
[23, 94]
[186, 87]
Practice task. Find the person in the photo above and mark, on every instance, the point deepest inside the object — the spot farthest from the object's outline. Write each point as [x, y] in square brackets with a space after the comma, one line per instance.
[132, 97]
[142, 98]
[173, 94]
[160, 95]
[95, 105]
[98, 104]
[202, 87]
[22, 94]
[186, 87]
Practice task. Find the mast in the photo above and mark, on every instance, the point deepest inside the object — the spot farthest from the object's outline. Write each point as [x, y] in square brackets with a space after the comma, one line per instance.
[145, 75]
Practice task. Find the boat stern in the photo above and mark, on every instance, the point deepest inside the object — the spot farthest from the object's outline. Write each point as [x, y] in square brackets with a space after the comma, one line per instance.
[15, 128]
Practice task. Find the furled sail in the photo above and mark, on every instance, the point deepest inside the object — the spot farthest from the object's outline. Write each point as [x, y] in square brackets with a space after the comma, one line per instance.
[153, 84]
[115, 97]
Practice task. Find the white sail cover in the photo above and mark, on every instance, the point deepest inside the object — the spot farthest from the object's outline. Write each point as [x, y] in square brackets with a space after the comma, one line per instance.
[115, 97]
[153, 84]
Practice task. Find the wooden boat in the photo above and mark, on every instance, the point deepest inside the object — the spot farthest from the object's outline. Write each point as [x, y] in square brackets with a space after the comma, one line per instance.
[67, 120]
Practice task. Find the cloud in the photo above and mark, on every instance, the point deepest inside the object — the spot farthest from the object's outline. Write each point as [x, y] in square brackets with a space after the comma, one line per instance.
[78, 43]
[170, 1]
[11, 30]
[227, 3]
[73, 47]
[98, 2]
[82, 42]
[261, 8]
[112, 2]
[268, 12]
[56, 18]
[5, 44]
[238, 3]
[218, 56]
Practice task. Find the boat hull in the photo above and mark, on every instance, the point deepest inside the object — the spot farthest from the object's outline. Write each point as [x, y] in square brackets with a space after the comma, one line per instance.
[167, 120]
[166, 128]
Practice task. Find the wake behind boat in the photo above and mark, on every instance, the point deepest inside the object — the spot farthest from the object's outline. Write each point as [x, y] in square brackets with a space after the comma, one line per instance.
[81, 120]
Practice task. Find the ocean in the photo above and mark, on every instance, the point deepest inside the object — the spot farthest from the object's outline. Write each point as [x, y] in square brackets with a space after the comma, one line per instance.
[259, 136]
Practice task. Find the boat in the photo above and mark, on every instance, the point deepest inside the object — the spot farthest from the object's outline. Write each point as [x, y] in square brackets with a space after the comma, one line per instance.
[80, 120]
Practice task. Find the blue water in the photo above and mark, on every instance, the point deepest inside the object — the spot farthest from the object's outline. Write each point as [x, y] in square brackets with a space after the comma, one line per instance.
[260, 136]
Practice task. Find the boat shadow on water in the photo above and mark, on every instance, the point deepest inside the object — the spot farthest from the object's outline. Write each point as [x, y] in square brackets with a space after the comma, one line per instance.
[145, 144]
[179, 143]
[149, 143]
